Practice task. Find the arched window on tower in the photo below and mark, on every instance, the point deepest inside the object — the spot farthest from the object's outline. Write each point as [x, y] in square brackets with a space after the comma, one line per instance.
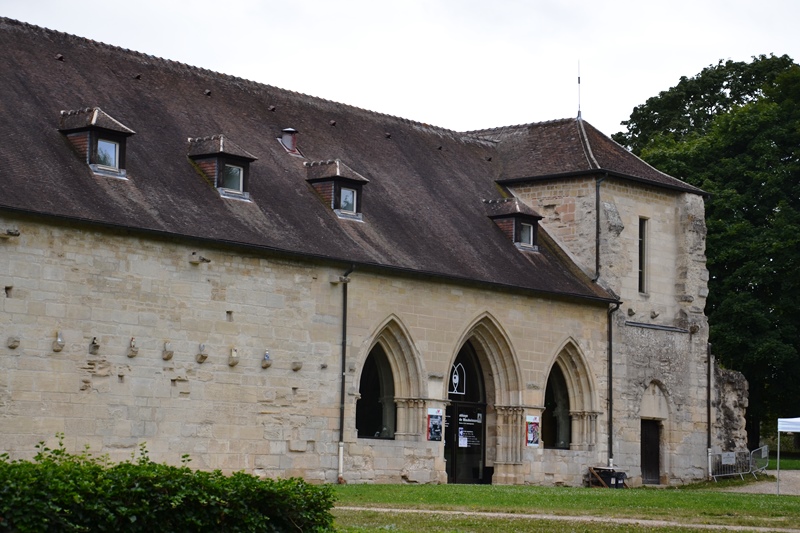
[556, 423]
[375, 409]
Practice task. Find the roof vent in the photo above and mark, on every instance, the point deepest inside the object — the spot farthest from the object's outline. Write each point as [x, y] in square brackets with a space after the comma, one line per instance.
[288, 139]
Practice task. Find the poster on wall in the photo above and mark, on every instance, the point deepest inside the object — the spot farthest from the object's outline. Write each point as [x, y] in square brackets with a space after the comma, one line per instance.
[434, 424]
[532, 431]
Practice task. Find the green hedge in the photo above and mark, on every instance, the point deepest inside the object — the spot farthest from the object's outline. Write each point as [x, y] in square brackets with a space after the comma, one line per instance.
[58, 491]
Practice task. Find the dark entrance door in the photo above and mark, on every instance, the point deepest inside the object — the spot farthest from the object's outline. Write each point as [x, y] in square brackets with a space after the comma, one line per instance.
[464, 432]
[651, 452]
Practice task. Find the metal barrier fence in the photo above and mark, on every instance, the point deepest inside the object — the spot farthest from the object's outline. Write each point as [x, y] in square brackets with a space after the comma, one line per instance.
[739, 463]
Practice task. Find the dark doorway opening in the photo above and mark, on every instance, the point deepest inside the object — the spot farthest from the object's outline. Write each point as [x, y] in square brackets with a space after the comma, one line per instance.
[465, 417]
[651, 452]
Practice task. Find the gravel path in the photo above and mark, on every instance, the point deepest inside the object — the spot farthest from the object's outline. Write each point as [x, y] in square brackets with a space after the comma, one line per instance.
[789, 480]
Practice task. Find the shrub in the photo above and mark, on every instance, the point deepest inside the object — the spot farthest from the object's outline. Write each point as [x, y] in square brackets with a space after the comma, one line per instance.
[59, 491]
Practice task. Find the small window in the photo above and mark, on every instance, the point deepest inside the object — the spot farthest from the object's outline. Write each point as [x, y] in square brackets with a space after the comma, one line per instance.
[526, 234]
[232, 178]
[224, 163]
[348, 200]
[98, 138]
[108, 154]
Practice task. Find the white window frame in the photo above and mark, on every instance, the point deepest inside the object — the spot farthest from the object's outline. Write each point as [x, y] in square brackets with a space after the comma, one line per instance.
[241, 178]
[522, 240]
[115, 166]
[354, 210]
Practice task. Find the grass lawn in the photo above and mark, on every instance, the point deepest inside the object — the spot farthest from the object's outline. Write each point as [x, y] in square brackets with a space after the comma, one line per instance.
[696, 504]
[789, 461]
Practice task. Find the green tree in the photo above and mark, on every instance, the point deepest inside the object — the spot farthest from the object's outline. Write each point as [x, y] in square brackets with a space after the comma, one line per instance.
[743, 147]
[690, 106]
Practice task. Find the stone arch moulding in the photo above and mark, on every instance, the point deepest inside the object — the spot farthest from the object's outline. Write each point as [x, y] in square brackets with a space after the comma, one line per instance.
[407, 371]
[496, 355]
[505, 425]
[582, 391]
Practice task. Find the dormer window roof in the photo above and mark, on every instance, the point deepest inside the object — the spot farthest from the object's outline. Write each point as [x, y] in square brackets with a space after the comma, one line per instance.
[99, 138]
[518, 221]
[224, 163]
[338, 185]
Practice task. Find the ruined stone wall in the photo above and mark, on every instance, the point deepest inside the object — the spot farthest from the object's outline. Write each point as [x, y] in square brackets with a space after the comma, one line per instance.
[730, 400]
[138, 315]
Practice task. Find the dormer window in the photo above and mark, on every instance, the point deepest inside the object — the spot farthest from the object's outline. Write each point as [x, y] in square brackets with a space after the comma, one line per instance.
[338, 186]
[519, 222]
[108, 154]
[99, 138]
[232, 178]
[347, 200]
[526, 234]
[223, 163]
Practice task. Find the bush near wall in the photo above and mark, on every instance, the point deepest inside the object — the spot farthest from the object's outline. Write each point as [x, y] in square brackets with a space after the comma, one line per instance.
[58, 491]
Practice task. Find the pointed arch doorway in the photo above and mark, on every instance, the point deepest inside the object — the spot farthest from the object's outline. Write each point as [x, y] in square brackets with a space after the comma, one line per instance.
[465, 418]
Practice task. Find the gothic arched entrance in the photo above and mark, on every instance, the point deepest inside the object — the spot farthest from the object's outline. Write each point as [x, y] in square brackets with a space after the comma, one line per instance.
[465, 419]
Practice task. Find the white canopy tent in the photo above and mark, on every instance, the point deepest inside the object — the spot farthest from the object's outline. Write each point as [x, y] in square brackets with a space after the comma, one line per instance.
[789, 425]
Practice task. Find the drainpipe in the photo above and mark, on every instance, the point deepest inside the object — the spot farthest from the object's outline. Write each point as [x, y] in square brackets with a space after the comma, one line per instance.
[597, 183]
[610, 385]
[344, 280]
[708, 405]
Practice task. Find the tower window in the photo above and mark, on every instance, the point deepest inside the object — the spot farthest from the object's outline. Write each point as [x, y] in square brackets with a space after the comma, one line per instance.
[643, 255]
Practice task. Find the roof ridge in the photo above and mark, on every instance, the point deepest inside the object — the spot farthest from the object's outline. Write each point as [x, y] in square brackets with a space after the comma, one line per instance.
[586, 145]
[610, 138]
[230, 77]
[501, 129]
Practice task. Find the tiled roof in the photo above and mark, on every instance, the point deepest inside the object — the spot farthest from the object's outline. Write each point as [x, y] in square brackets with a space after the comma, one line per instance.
[423, 210]
[567, 147]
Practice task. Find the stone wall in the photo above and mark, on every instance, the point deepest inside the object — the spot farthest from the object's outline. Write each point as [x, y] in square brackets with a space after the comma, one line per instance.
[136, 315]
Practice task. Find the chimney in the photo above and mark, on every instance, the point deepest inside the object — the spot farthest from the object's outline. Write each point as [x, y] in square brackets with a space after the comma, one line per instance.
[289, 139]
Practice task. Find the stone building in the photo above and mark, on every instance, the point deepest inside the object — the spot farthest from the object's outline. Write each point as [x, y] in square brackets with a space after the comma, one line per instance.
[289, 286]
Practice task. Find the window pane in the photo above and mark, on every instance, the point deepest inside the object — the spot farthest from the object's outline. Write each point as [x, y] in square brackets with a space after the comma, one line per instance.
[107, 153]
[526, 234]
[232, 178]
[348, 202]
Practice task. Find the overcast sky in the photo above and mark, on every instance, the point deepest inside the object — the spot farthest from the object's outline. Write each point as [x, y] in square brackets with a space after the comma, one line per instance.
[458, 64]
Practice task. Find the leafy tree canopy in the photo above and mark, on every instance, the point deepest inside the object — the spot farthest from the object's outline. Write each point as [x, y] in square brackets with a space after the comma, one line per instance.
[734, 131]
[692, 104]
